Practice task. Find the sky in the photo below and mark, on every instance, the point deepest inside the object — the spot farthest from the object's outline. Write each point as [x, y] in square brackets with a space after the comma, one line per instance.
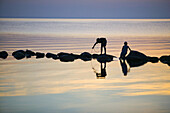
[85, 8]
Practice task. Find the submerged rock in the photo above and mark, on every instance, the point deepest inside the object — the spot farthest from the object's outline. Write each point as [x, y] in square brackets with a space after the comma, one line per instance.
[104, 58]
[3, 54]
[165, 59]
[29, 53]
[85, 56]
[19, 54]
[39, 55]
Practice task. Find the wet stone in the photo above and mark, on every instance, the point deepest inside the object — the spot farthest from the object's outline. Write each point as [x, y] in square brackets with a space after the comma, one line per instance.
[3, 54]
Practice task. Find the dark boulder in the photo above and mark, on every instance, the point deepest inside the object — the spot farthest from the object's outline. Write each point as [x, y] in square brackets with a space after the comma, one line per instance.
[85, 56]
[136, 56]
[165, 59]
[62, 53]
[29, 53]
[19, 54]
[3, 54]
[95, 56]
[51, 55]
[39, 55]
[18, 51]
[75, 55]
[104, 58]
[66, 57]
[153, 59]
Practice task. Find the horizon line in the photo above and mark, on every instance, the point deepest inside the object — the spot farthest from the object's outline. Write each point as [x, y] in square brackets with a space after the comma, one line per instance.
[90, 17]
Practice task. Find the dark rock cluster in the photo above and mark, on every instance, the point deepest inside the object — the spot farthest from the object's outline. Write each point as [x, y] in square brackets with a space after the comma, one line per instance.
[134, 58]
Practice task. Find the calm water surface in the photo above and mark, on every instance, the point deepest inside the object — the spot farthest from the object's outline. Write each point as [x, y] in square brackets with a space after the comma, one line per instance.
[50, 86]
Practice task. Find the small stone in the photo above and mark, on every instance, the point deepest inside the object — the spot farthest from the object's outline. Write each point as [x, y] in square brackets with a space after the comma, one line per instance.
[19, 54]
[39, 55]
[3, 54]
[85, 56]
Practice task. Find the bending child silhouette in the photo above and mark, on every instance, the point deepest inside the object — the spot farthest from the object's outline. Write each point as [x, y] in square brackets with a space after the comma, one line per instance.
[103, 42]
[124, 50]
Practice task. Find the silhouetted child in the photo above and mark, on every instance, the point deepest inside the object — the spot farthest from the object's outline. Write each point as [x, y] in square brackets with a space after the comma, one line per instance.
[124, 50]
[103, 42]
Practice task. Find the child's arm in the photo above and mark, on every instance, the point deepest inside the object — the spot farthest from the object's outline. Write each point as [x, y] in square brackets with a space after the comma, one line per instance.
[94, 45]
[129, 48]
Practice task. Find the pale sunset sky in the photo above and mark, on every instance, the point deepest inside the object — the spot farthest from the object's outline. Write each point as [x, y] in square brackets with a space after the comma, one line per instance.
[85, 8]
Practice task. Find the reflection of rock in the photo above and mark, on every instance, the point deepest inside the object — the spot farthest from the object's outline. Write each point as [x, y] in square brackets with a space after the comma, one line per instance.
[133, 63]
[165, 60]
[39, 55]
[104, 58]
[3, 54]
[29, 53]
[66, 57]
[51, 55]
[85, 56]
[19, 54]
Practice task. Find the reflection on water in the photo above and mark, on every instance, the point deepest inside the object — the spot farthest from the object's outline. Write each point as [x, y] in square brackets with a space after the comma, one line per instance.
[103, 73]
[47, 85]
[124, 66]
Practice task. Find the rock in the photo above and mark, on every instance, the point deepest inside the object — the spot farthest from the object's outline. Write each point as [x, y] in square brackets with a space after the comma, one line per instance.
[85, 56]
[39, 55]
[95, 56]
[18, 51]
[136, 56]
[67, 58]
[51, 55]
[3, 54]
[75, 55]
[104, 58]
[165, 59]
[153, 59]
[29, 53]
[62, 53]
[19, 54]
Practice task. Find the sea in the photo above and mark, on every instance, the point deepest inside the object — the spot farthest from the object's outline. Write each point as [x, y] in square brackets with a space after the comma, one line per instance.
[45, 85]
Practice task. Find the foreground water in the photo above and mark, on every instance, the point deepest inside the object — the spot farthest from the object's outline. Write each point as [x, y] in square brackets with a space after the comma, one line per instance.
[47, 85]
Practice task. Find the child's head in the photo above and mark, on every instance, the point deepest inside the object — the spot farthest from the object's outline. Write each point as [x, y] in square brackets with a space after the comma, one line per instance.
[125, 43]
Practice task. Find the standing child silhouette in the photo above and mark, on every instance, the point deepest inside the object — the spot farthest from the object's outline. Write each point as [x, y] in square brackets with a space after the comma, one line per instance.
[124, 50]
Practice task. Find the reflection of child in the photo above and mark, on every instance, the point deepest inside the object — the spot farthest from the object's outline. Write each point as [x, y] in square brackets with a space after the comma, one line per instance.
[124, 50]
[103, 42]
